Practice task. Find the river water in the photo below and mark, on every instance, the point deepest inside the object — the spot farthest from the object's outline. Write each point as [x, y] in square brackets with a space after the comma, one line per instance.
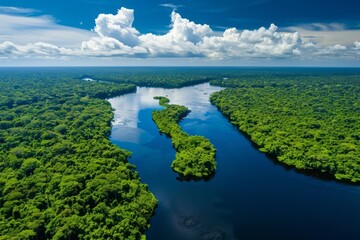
[250, 196]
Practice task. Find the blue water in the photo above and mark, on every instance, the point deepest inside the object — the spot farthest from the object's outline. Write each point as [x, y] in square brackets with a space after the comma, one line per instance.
[250, 196]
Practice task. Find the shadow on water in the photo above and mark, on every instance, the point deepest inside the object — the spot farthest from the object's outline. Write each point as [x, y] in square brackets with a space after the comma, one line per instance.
[182, 178]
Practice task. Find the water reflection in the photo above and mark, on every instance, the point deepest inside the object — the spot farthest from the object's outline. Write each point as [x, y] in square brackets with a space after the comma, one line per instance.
[128, 106]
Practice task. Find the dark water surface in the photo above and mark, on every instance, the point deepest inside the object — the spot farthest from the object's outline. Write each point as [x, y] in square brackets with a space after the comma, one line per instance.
[250, 197]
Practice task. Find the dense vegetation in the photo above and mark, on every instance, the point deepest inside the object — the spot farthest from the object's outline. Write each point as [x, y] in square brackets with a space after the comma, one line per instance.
[195, 155]
[152, 77]
[309, 122]
[60, 177]
[144, 77]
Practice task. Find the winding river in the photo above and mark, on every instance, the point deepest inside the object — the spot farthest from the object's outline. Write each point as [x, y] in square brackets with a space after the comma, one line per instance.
[250, 196]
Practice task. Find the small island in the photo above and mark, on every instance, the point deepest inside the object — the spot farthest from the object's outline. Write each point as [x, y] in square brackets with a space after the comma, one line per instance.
[195, 155]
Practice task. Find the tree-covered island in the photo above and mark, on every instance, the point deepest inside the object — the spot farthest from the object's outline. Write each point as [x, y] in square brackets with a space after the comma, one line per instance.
[195, 155]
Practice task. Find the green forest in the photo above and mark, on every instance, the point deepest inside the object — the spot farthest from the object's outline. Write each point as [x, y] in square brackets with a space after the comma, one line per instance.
[172, 78]
[195, 155]
[60, 176]
[309, 122]
[165, 77]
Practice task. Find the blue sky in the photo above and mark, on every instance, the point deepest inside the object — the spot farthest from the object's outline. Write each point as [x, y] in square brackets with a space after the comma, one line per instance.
[149, 32]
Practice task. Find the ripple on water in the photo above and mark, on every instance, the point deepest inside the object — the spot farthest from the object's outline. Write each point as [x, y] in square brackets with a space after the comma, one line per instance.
[204, 231]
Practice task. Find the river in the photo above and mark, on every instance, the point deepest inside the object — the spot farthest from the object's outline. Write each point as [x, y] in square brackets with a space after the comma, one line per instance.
[250, 196]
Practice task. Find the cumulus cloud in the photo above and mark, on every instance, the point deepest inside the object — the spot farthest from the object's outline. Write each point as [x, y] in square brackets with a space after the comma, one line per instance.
[187, 38]
[184, 38]
[36, 36]
[115, 35]
[39, 49]
[118, 26]
[333, 51]
[261, 42]
[107, 46]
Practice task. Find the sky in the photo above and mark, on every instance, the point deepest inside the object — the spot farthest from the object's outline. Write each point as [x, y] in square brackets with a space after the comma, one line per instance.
[179, 33]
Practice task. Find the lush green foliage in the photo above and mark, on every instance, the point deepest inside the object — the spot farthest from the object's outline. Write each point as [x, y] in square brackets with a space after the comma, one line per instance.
[259, 77]
[145, 77]
[60, 176]
[309, 123]
[152, 77]
[195, 155]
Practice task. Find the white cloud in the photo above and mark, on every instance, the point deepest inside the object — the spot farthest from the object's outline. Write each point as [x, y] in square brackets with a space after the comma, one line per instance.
[106, 46]
[16, 10]
[171, 5]
[334, 51]
[326, 34]
[39, 49]
[183, 38]
[357, 45]
[115, 36]
[22, 30]
[189, 39]
[118, 26]
[186, 38]
[261, 42]
[338, 47]
[323, 26]
[184, 30]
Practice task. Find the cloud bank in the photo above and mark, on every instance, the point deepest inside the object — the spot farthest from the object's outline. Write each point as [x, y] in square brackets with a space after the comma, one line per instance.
[187, 39]
[115, 35]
